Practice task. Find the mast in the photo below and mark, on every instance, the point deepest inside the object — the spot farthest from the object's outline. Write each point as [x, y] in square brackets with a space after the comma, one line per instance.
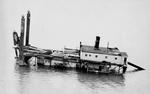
[22, 31]
[27, 28]
[21, 42]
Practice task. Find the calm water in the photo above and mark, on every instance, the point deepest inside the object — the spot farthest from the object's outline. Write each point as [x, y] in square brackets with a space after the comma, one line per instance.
[24, 80]
[125, 24]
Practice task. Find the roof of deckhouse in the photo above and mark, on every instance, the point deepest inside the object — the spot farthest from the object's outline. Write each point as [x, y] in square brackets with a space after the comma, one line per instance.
[103, 50]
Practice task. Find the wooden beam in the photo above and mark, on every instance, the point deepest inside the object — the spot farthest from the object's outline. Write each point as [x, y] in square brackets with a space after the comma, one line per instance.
[136, 66]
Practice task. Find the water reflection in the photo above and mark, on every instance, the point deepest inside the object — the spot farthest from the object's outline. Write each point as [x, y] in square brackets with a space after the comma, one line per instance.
[22, 75]
[41, 80]
[101, 80]
[30, 79]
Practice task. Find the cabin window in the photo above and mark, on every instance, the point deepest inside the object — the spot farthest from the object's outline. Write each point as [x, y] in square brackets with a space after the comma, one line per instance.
[89, 55]
[85, 54]
[106, 57]
[96, 56]
[115, 58]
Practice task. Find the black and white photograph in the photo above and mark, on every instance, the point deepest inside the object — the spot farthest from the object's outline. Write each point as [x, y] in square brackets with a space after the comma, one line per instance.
[74, 46]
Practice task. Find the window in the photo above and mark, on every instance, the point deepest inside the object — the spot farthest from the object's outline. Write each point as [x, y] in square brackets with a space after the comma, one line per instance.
[96, 56]
[85, 54]
[115, 58]
[105, 56]
[89, 55]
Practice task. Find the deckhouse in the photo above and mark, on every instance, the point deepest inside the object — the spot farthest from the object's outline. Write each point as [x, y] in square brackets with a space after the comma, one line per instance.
[102, 54]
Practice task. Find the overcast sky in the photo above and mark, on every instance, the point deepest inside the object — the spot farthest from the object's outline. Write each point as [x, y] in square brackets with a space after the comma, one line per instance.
[58, 23]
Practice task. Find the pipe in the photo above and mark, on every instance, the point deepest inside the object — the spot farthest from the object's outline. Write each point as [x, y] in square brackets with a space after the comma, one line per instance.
[97, 42]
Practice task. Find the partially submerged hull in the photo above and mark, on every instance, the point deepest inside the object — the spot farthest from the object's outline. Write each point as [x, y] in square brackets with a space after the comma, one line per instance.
[77, 64]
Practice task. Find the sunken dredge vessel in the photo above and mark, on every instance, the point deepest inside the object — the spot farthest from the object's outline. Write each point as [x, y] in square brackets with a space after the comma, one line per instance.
[88, 58]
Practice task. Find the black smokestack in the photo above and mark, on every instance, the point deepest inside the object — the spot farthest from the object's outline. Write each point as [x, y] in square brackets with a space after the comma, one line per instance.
[27, 28]
[97, 42]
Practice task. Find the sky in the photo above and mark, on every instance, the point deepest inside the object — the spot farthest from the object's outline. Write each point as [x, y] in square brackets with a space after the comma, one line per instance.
[56, 24]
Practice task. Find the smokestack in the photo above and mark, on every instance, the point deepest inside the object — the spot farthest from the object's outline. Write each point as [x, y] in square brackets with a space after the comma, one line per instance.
[22, 31]
[27, 28]
[97, 42]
